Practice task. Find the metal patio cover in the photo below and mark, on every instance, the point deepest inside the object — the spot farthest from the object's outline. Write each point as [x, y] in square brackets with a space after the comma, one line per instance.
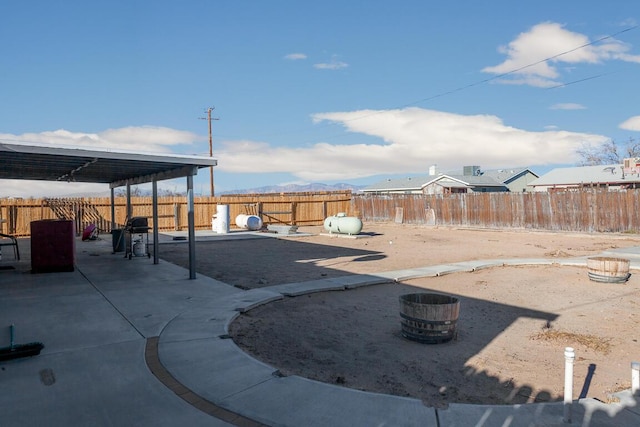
[68, 164]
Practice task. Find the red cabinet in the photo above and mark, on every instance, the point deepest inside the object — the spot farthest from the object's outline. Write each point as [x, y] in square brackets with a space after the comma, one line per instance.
[52, 246]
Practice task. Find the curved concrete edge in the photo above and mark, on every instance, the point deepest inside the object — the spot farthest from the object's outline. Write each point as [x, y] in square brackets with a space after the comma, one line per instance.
[195, 351]
[212, 319]
[303, 288]
[213, 372]
[217, 371]
[297, 401]
[162, 374]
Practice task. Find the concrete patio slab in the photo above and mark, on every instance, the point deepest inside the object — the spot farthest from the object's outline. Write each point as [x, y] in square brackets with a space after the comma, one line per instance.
[102, 385]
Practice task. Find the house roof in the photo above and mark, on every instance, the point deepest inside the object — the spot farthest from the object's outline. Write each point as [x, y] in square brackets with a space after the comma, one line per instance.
[495, 177]
[49, 163]
[467, 181]
[584, 175]
[507, 175]
[400, 184]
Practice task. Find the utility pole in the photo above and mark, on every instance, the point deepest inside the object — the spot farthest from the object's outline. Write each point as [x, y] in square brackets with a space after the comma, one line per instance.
[208, 118]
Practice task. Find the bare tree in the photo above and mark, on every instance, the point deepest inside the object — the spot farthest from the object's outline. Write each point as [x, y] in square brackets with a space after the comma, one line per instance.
[608, 153]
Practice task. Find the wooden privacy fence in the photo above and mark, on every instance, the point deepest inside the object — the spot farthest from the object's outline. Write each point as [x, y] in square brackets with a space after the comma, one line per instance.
[283, 208]
[584, 211]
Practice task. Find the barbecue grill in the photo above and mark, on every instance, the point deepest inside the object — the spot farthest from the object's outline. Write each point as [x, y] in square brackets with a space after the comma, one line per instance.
[137, 235]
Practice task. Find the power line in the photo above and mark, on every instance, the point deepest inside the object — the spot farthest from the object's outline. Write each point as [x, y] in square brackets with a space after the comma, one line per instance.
[490, 79]
[579, 81]
[515, 70]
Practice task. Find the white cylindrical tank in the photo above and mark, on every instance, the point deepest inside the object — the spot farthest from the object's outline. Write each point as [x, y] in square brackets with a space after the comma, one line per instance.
[138, 248]
[249, 222]
[343, 224]
[220, 222]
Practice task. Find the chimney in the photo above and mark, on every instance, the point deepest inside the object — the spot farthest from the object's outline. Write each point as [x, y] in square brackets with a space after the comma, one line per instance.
[433, 170]
[471, 171]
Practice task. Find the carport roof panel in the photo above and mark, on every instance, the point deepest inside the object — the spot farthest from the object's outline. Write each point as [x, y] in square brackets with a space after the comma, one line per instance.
[40, 162]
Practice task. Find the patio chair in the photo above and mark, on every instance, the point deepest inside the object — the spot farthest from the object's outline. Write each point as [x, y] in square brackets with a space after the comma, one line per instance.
[9, 240]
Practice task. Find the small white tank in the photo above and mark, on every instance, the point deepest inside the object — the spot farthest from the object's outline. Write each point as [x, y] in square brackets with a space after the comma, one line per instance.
[343, 224]
[220, 221]
[138, 248]
[249, 222]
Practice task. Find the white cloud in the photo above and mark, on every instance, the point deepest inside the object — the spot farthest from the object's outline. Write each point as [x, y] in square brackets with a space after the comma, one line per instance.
[628, 58]
[526, 54]
[410, 140]
[143, 139]
[334, 64]
[568, 106]
[295, 56]
[149, 139]
[25, 189]
[632, 123]
[629, 22]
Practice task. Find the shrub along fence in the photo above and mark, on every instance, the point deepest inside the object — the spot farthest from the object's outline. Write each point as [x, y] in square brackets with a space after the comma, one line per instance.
[584, 211]
[284, 208]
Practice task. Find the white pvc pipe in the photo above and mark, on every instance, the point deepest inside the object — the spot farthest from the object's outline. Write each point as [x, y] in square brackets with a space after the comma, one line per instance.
[569, 357]
[635, 378]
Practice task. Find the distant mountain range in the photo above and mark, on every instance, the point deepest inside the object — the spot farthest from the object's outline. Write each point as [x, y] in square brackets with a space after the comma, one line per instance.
[296, 188]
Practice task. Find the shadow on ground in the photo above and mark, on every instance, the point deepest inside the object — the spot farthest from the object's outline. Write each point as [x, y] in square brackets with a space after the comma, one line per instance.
[256, 263]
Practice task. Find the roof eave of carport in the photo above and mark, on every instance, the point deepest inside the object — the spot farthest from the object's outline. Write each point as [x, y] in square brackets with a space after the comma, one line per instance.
[168, 174]
[115, 168]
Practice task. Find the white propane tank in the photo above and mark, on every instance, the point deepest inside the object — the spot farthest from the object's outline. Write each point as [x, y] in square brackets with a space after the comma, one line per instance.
[343, 224]
[220, 224]
[138, 248]
[249, 222]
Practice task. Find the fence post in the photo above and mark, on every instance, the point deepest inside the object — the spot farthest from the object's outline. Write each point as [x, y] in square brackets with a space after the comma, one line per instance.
[79, 218]
[294, 207]
[176, 216]
[13, 219]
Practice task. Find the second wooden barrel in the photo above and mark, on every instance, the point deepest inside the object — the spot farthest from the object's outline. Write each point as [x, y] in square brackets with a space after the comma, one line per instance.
[429, 317]
[608, 269]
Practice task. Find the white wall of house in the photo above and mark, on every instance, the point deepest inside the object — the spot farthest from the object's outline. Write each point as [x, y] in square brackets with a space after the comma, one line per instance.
[433, 189]
[521, 183]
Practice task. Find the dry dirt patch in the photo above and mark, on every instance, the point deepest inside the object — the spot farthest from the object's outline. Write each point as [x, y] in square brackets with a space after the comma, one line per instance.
[352, 338]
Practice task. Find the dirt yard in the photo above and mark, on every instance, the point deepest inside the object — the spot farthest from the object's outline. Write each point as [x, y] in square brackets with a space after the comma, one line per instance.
[514, 321]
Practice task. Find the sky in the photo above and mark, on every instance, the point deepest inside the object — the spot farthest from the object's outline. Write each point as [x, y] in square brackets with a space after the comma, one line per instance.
[332, 91]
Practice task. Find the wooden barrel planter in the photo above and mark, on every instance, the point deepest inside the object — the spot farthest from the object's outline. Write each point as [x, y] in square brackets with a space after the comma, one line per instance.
[608, 270]
[429, 318]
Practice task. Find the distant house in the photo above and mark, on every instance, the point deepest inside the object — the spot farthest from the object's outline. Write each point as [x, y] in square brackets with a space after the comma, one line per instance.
[472, 180]
[612, 177]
